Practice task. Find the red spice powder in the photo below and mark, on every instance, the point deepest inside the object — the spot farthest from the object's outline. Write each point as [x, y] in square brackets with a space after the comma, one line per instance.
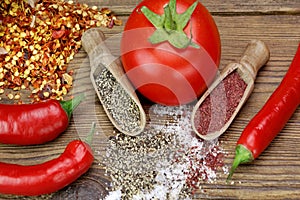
[218, 107]
[199, 165]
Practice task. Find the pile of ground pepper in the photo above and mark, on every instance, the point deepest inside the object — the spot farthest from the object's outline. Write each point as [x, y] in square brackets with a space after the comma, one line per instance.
[167, 161]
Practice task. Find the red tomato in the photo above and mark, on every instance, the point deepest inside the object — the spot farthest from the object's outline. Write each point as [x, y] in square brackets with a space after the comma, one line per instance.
[161, 72]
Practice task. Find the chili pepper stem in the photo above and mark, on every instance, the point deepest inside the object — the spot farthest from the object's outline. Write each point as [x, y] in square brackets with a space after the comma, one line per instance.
[70, 105]
[90, 136]
[242, 155]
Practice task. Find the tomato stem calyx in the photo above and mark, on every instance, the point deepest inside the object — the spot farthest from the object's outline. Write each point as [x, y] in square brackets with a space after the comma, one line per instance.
[242, 155]
[169, 26]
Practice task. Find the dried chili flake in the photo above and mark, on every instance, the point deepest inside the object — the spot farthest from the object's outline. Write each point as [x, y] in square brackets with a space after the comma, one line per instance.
[58, 34]
[41, 41]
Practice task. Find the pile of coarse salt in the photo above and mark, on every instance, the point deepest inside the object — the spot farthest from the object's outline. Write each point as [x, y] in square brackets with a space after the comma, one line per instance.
[193, 163]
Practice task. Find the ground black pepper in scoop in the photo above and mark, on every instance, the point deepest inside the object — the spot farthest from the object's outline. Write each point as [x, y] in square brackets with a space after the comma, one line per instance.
[114, 90]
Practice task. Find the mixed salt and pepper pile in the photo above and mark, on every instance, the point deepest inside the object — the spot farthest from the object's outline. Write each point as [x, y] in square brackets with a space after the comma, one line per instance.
[167, 161]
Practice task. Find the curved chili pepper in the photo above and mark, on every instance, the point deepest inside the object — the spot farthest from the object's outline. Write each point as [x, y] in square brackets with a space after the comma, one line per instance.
[37, 123]
[50, 176]
[271, 119]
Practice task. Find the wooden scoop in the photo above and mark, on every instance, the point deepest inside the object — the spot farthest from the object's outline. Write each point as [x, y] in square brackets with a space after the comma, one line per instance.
[255, 56]
[93, 41]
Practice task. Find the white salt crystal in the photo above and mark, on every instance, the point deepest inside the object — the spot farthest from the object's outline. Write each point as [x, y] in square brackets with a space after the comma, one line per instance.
[114, 195]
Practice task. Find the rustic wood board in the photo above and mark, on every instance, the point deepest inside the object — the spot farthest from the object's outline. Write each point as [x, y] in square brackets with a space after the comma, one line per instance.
[217, 7]
[274, 175]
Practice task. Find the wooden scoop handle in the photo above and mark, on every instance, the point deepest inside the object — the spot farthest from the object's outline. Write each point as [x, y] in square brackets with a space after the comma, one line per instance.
[93, 44]
[255, 56]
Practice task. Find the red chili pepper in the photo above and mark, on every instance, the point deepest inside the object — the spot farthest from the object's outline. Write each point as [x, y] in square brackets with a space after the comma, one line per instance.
[271, 119]
[37, 123]
[49, 176]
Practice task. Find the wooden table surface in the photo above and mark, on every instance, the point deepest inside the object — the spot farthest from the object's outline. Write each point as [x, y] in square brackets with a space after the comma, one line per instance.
[274, 175]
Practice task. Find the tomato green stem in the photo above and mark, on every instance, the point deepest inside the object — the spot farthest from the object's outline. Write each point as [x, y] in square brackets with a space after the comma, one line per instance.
[242, 155]
[70, 105]
[169, 26]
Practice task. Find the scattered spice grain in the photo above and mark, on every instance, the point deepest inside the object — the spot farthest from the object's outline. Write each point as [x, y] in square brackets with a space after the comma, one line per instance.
[225, 98]
[166, 161]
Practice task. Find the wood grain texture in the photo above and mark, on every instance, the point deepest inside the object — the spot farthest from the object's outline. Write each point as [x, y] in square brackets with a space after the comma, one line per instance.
[274, 175]
[217, 7]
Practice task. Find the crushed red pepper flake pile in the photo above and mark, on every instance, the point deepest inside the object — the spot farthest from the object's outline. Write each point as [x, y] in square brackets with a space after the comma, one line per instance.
[40, 41]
